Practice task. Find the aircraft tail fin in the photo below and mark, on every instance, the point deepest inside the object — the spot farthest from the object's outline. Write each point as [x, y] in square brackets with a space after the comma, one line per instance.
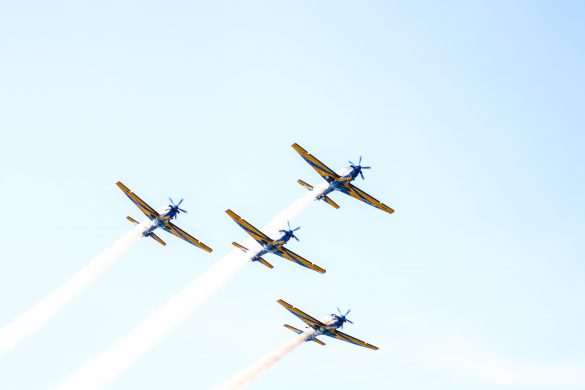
[244, 249]
[298, 331]
[135, 222]
[152, 235]
[265, 263]
[330, 202]
[157, 239]
[306, 185]
[240, 247]
[325, 198]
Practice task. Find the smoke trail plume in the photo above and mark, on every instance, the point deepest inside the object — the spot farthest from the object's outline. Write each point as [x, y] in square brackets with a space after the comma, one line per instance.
[109, 364]
[253, 372]
[35, 317]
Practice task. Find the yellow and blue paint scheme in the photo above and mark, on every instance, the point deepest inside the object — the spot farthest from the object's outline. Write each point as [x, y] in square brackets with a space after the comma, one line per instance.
[272, 246]
[337, 182]
[161, 221]
[330, 329]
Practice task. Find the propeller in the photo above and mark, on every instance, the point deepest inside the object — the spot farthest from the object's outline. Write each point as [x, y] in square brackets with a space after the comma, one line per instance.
[342, 317]
[291, 231]
[175, 207]
[359, 167]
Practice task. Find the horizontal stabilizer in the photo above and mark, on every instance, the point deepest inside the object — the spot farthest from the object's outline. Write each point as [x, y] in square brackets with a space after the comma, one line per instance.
[135, 222]
[318, 341]
[330, 202]
[325, 198]
[265, 263]
[157, 239]
[306, 185]
[243, 248]
[297, 331]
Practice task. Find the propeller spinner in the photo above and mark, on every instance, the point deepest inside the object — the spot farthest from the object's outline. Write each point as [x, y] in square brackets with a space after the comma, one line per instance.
[342, 317]
[359, 167]
[290, 230]
[175, 207]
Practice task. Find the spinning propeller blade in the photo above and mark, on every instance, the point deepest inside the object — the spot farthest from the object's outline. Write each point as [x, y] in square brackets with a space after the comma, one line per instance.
[176, 207]
[343, 317]
[291, 231]
[359, 167]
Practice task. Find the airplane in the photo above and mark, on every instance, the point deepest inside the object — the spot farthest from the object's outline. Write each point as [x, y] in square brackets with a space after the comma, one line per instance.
[272, 246]
[339, 183]
[162, 221]
[329, 329]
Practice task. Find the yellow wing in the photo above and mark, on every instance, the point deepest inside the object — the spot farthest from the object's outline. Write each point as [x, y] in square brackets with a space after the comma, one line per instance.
[322, 169]
[251, 230]
[355, 192]
[146, 209]
[290, 255]
[345, 337]
[176, 231]
[302, 315]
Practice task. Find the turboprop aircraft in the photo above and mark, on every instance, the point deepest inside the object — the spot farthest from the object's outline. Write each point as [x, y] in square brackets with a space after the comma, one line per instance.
[339, 183]
[330, 329]
[272, 246]
[162, 221]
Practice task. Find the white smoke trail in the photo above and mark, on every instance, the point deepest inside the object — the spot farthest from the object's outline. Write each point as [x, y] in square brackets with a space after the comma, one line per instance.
[253, 372]
[35, 317]
[249, 375]
[109, 364]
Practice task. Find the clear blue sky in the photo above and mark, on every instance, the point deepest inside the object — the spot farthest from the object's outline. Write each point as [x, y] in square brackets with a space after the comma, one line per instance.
[471, 114]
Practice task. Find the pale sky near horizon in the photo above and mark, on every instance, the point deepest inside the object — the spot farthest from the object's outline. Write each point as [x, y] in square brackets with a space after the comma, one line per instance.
[470, 113]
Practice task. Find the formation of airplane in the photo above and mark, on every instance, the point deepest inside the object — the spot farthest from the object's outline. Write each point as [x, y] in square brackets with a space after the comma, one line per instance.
[330, 329]
[272, 246]
[336, 182]
[339, 183]
[162, 221]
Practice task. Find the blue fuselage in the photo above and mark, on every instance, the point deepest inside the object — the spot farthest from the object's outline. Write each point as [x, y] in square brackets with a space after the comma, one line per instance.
[341, 183]
[160, 221]
[273, 247]
[336, 323]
